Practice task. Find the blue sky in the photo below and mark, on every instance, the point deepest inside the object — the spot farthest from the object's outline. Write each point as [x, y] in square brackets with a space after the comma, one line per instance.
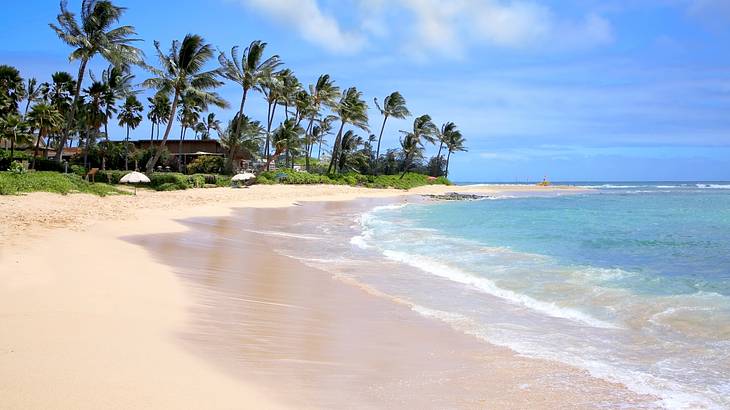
[571, 89]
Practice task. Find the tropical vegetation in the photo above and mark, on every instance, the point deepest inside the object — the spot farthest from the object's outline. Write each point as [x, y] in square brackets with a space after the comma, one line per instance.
[40, 120]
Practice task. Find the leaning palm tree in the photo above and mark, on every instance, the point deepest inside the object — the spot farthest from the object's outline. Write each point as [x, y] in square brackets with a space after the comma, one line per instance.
[323, 93]
[287, 140]
[443, 136]
[130, 117]
[241, 135]
[94, 34]
[454, 143]
[159, 111]
[248, 70]
[32, 94]
[271, 88]
[412, 143]
[394, 106]
[353, 110]
[182, 74]
[211, 123]
[15, 129]
[45, 118]
[350, 144]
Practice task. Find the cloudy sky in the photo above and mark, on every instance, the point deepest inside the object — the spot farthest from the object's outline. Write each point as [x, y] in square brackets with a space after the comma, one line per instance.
[571, 89]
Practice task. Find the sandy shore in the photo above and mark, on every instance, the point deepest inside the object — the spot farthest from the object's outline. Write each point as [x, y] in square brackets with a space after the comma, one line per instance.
[94, 320]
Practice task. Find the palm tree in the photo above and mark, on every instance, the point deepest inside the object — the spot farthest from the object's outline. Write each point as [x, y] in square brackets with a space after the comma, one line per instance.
[248, 139]
[211, 123]
[320, 132]
[353, 110]
[118, 82]
[270, 87]
[323, 93]
[394, 106]
[94, 34]
[290, 88]
[249, 71]
[130, 117]
[286, 140]
[94, 114]
[412, 143]
[45, 117]
[350, 144]
[159, 111]
[12, 87]
[190, 108]
[16, 130]
[454, 143]
[182, 74]
[442, 137]
[32, 93]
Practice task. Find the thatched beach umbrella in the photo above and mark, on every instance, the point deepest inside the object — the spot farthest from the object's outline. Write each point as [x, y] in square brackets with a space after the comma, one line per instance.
[135, 178]
[245, 177]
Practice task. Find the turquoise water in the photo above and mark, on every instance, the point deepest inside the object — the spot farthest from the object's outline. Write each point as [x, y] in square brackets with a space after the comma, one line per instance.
[630, 281]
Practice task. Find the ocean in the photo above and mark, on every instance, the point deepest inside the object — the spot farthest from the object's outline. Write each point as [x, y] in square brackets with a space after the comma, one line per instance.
[629, 281]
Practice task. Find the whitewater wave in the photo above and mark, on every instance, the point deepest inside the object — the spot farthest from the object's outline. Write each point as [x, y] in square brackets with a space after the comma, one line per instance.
[489, 287]
[713, 186]
[671, 395]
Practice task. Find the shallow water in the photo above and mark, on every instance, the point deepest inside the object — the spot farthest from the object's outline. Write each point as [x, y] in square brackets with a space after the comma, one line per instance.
[630, 282]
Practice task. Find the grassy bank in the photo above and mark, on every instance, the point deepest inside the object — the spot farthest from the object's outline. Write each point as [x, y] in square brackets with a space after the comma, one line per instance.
[410, 180]
[12, 183]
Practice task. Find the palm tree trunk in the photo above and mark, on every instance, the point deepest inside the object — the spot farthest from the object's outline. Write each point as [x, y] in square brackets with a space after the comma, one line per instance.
[406, 164]
[319, 149]
[336, 148]
[72, 113]
[179, 149]
[37, 143]
[12, 147]
[240, 110]
[382, 128]
[152, 133]
[151, 163]
[45, 149]
[308, 143]
[126, 150]
[448, 158]
[272, 111]
[438, 157]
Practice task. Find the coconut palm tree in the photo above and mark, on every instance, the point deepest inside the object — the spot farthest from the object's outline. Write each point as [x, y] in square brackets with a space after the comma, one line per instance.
[159, 111]
[118, 82]
[442, 137]
[130, 117]
[412, 142]
[287, 140]
[12, 87]
[247, 140]
[181, 73]
[32, 93]
[290, 88]
[248, 70]
[44, 117]
[16, 130]
[320, 133]
[190, 108]
[454, 143]
[322, 94]
[394, 106]
[95, 33]
[211, 123]
[353, 110]
[94, 114]
[350, 144]
[270, 87]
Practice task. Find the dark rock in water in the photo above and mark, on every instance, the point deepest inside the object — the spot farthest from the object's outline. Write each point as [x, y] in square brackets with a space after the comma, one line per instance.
[456, 196]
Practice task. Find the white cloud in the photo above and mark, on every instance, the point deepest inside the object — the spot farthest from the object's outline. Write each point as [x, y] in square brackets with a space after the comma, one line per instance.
[446, 28]
[313, 25]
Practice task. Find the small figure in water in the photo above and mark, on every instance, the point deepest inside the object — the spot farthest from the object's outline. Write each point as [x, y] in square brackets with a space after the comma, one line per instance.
[544, 182]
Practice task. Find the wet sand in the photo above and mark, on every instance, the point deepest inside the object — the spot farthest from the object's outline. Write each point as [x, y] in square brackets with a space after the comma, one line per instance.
[310, 340]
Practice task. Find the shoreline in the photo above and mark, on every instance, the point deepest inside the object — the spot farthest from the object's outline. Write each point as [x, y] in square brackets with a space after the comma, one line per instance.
[88, 318]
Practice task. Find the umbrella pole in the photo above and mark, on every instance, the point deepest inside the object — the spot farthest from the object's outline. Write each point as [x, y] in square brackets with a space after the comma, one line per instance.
[135, 190]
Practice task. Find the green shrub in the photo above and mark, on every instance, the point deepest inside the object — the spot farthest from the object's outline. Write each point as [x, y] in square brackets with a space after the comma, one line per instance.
[409, 180]
[169, 179]
[78, 170]
[42, 164]
[206, 164]
[110, 176]
[45, 181]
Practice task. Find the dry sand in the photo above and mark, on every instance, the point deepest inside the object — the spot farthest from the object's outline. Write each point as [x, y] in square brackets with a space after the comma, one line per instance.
[90, 320]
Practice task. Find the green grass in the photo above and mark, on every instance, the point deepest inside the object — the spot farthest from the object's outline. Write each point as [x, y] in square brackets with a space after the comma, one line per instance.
[410, 180]
[48, 181]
